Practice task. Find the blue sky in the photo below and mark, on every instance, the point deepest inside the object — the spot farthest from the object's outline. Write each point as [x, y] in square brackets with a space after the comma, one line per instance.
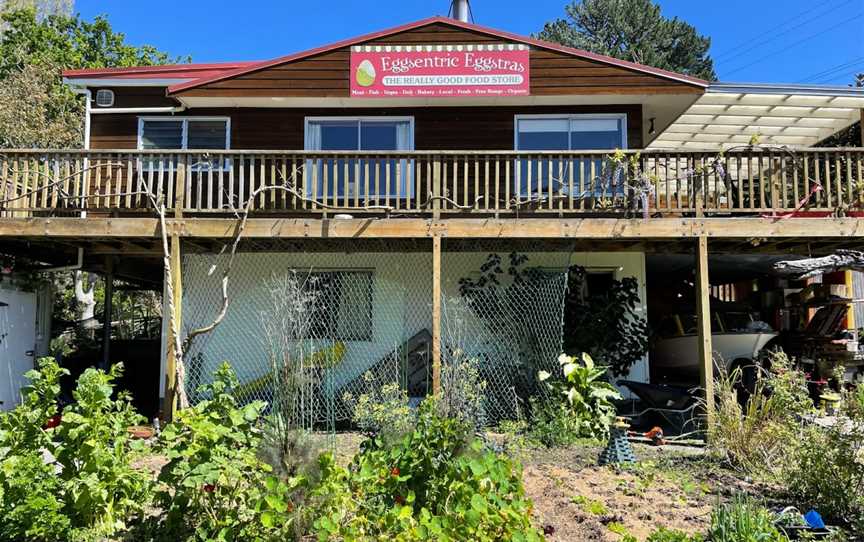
[790, 41]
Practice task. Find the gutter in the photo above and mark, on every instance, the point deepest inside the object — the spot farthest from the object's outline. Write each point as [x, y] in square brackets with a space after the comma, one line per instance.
[121, 110]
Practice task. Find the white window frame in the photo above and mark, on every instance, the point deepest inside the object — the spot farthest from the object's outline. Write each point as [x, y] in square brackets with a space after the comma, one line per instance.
[368, 118]
[184, 143]
[409, 182]
[570, 117]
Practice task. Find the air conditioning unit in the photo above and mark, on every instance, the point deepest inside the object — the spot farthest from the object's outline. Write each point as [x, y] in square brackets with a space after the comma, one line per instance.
[104, 97]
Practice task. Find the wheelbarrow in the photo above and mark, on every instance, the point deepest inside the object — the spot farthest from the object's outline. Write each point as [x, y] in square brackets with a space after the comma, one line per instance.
[675, 404]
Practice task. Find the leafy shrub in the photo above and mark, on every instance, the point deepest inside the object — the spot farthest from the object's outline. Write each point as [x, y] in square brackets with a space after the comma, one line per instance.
[787, 385]
[605, 324]
[578, 406]
[462, 391]
[827, 472]
[663, 534]
[743, 520]
[853, 402]
[381, 409]
[435, 483]
[68, 475]
[214, 486]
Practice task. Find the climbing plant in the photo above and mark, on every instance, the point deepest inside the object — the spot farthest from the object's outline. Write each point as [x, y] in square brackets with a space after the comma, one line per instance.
[604, 324]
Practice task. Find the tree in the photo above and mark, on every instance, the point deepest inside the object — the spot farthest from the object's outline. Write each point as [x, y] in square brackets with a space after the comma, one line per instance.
[36, 109]
[633, 30]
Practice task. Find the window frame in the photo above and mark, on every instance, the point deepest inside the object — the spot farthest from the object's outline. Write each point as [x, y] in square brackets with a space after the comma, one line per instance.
[369, 315]
[569, 117]
[359, 119]
[184, 145]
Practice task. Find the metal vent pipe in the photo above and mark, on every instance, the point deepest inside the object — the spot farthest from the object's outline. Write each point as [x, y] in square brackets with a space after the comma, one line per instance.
[460, 10]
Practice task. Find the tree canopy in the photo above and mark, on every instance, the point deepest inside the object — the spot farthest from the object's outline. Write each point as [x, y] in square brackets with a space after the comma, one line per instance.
[36, 109]
[633, 30]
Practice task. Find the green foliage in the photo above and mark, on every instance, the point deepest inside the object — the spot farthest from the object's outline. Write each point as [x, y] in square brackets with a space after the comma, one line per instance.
[433, 484]
[33, 51]
[214, 487]
[787, 385]
[462, 393]
[596, 508]
[381, 411]
[605, 324]
[758, 436]
[633, 30]
[579, 405]
[826, 472]
[69, 475]
[743, 520]
[672, 535]
[853, 402]
[93, 448]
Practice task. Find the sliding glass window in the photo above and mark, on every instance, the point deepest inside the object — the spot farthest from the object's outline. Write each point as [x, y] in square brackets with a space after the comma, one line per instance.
[550, 175]
[357, 177]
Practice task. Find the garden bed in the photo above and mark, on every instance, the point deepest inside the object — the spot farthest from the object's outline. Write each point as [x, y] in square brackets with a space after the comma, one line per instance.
[671, 486]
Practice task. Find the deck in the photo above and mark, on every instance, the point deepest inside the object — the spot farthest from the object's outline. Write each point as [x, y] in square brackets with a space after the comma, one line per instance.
[434, 184]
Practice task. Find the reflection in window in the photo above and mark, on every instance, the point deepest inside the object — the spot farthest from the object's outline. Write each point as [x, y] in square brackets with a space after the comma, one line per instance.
[359, 178]
[540, 176]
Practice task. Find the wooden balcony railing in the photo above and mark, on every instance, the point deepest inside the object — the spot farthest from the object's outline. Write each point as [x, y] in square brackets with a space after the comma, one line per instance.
[756, 181]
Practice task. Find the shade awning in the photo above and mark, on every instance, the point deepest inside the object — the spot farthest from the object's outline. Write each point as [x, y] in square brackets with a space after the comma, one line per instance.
[729, 114]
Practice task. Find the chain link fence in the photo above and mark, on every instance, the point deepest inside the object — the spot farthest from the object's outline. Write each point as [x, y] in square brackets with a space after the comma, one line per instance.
[319, 325]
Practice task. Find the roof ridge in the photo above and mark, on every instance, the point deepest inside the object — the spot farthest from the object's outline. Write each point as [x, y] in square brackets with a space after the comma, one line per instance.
[426, 22]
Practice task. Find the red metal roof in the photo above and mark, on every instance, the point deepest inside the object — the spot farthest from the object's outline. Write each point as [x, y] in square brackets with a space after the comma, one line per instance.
[448, 21]
[169, 71]
[202, 74]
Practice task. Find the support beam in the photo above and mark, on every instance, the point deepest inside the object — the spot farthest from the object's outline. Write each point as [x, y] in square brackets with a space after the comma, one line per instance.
[436, 315]
[745, 228]
[703, 314]
[108, 310]
[175, 326]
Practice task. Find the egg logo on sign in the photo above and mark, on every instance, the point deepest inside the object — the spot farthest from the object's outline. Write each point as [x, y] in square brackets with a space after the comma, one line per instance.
[365, 75]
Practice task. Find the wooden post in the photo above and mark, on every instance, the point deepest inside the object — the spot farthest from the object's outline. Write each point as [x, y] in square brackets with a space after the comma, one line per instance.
[436, 314]
[703, 313]
[108, 310]
[169, 406]
[436, 188]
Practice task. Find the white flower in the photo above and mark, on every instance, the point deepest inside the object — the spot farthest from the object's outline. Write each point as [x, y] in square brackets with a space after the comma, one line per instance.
[859, 456]
[543, 375]
[564, 358]
[569, 368]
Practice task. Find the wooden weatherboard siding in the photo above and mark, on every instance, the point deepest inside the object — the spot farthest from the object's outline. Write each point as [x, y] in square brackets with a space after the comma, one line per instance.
[435, 128]
[327, 74]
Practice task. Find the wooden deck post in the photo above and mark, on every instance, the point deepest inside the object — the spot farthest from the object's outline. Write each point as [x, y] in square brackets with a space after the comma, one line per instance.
[169, 406]
[703, 313]
[436, 314]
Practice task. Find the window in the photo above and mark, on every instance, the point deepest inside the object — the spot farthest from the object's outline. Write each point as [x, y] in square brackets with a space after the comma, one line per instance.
[348, 177]
[342, 305]
[195, 133]
[566, 133]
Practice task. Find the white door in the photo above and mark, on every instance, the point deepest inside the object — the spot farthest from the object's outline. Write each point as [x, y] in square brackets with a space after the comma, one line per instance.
[17, 343]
